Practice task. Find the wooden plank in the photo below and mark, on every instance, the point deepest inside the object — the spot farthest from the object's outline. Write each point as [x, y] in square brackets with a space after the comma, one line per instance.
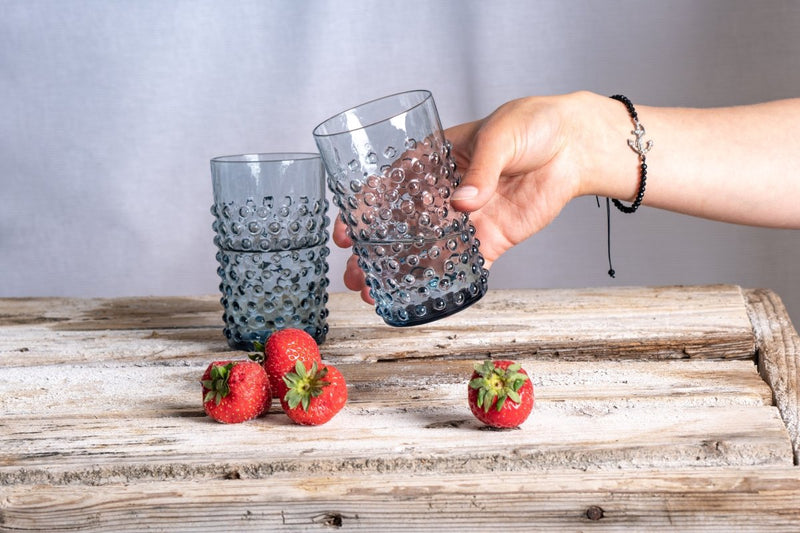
[101, 424]
[95, 451]
[702, 499]
[566, 324]
[668, 426]
[778, 353]
[102, 391]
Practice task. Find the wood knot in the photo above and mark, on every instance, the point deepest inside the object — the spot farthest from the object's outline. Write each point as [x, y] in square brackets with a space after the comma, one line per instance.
[594, 512]
[333, 519]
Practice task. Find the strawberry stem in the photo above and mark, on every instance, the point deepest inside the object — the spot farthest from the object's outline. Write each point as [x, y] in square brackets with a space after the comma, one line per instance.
[217, 384]
[497, 383]
[304, 385]
[259, 355]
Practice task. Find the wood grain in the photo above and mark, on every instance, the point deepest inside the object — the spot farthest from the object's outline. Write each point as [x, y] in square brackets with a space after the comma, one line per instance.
[566, 324]
[117, 424]
[712, 499]
[779, 349]
[651, 414]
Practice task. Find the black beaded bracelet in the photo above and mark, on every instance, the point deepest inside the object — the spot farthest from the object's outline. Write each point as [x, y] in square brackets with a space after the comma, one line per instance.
[637, 146]
[640, 148]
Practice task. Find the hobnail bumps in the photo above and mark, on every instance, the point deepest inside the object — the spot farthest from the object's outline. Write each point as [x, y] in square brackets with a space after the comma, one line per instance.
[272, 257]
[270, 224]
[420, 257]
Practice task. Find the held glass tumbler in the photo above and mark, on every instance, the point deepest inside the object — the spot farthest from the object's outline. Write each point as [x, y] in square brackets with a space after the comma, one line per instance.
[392, 175]
[271, 233]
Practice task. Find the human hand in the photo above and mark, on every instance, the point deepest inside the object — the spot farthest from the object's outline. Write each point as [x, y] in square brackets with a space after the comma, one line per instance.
[520, 167]
[354, 277]
[518, 170]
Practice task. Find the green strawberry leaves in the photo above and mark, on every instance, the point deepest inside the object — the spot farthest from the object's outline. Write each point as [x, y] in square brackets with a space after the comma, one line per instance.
[258, 356]
[500, 383]
[217, 384]
[304, 384]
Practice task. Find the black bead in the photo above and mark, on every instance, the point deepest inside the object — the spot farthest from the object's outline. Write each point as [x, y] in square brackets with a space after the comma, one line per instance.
[643, 168]
[642, 181]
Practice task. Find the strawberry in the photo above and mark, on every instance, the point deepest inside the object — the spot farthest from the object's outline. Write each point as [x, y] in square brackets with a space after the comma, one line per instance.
[235, 391]
[283, 350]
[313, 396]
[500, 394]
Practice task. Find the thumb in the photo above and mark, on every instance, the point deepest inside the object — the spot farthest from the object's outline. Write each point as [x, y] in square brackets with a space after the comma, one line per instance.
[479, 181]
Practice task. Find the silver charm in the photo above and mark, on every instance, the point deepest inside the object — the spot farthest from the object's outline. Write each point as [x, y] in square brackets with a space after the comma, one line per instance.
[636, 144]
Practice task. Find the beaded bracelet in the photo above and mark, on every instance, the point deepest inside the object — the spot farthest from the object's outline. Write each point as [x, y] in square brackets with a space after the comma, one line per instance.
[640, 148]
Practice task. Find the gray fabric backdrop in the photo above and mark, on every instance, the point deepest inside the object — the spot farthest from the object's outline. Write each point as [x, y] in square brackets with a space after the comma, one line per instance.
[110, 111]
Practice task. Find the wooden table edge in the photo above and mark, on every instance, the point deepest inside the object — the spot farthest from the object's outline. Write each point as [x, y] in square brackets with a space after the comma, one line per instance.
[752, 499]
[777, 351]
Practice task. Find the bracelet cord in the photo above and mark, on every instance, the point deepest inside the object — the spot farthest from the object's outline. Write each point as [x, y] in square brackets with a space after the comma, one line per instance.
[641, 147]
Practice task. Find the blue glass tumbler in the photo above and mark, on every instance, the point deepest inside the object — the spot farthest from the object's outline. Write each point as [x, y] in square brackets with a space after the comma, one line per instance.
[271, 233]
[392, 174]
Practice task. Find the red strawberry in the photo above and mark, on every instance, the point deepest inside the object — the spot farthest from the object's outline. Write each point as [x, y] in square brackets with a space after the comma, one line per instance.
[283, 350]
[500, 394]
[314, 396]
[235, 391]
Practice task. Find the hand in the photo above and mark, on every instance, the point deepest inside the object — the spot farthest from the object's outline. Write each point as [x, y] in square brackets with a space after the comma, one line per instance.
[519, 170]
[354, 278]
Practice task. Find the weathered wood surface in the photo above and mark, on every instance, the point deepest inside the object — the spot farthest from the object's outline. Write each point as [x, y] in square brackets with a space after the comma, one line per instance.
[649, 406]
[578, 324]
[778, 352]
[715, 500]
[114, 424]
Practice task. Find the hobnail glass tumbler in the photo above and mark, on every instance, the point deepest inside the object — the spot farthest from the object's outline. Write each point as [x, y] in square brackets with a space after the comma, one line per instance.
[271, 233]
[392, 175]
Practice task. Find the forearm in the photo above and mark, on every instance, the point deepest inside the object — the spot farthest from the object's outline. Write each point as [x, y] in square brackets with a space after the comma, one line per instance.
[736, 164]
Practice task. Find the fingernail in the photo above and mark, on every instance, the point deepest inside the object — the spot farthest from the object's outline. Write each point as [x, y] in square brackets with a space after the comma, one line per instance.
[467, 192]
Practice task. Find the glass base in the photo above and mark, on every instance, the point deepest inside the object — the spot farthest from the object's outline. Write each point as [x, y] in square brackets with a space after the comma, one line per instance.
[416, 317]
[245, 341]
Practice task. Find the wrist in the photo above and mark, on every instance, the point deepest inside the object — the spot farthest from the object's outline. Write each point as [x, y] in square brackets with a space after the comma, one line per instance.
[607, 165]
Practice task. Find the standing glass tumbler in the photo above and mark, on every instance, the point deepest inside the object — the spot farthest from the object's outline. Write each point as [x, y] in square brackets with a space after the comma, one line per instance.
[271, 234]
[392, 175]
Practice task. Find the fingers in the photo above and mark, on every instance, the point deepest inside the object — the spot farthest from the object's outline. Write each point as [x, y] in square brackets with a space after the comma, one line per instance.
[340, 236]
[461, 139]
[488, 155]
[366, 296]
[354, 278]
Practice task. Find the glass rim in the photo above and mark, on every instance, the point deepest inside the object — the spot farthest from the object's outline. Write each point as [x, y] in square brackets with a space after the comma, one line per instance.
[266, 157]
[427, 96]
